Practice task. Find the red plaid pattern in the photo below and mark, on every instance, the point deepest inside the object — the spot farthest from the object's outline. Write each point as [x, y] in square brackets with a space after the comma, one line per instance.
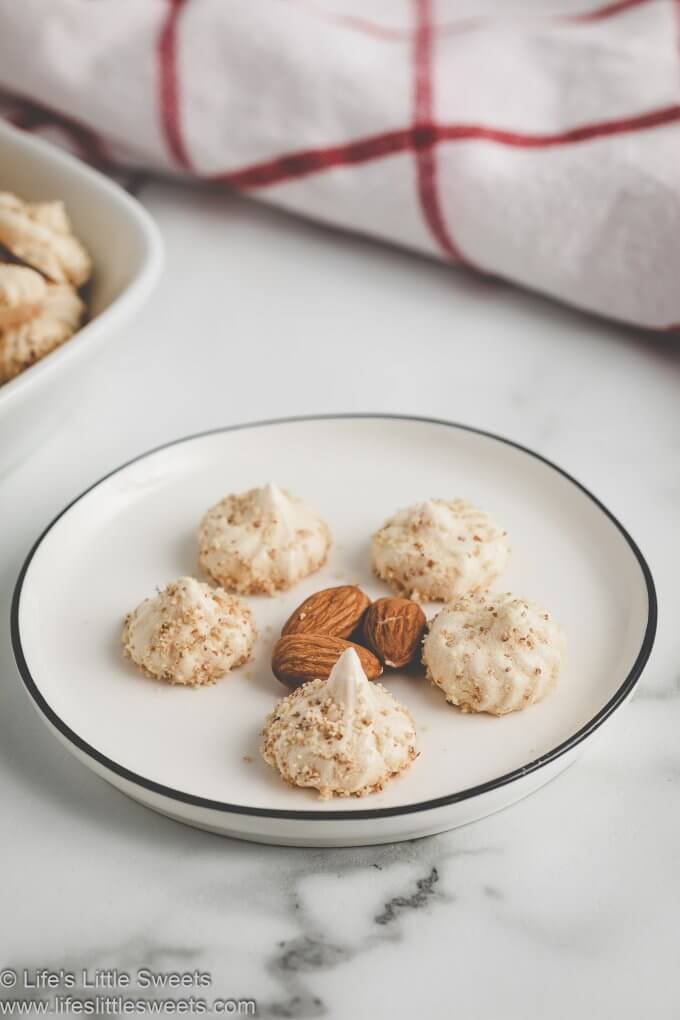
[539, 147]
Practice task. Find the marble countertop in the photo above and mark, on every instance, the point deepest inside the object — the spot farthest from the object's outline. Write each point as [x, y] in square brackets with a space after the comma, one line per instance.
[564, 905]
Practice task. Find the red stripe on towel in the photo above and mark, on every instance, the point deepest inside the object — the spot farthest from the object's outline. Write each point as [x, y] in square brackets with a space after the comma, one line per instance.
[608, 11]
[467, 24]
[169, 101]
[425, 155]
[297, 164]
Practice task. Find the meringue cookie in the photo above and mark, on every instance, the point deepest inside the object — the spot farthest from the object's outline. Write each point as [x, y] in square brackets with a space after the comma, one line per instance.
[439, 549]
[40, 235]
[57, 320]
[343, 736]
[189, 633]
[495, 653]
[262, 541]
[22, 294]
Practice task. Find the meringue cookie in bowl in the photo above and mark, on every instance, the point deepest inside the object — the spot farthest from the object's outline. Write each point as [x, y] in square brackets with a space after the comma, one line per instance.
[440, 549]
[495, 653]
[189, 633]
[344, 736]
[262, 541]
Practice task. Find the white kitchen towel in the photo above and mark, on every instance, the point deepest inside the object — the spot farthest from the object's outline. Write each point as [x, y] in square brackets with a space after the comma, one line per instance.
[534, 140]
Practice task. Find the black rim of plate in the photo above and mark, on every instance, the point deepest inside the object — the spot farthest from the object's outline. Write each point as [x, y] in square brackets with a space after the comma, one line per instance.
[365, 813]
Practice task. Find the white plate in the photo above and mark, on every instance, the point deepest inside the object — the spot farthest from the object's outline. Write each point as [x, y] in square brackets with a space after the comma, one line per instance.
[193, 754]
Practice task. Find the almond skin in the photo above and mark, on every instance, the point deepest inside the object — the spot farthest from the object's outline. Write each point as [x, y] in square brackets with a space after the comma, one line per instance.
[297, 658]
[336, 611]
[393, 628]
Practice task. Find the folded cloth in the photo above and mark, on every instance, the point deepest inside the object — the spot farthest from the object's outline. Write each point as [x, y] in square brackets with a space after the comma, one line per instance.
[543, 148]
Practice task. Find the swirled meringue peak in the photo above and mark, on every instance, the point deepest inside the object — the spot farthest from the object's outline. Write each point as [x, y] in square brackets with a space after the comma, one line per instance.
[262, 541]
[344, 736]
[439, 549]
[189, 633]
[495, 653]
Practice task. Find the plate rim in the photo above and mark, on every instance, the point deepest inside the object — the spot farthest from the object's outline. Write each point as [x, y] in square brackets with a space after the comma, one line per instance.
[306, 815]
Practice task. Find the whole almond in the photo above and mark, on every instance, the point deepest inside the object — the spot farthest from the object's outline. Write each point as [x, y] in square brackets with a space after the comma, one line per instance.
[335, 611]
[297, 658]
[393, 628]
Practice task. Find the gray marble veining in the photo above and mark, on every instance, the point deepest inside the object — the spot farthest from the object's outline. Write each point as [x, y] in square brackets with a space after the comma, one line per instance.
[564, 905]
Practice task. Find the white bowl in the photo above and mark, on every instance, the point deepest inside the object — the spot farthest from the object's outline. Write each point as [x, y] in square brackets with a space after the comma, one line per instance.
[127, 253]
